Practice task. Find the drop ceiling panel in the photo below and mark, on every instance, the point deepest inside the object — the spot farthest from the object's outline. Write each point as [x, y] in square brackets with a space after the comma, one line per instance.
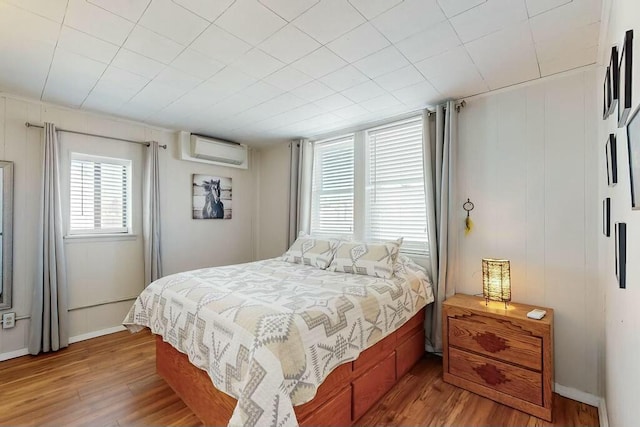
[398, 79]
[289, 44]
[250, 21]
[184, 25]
[24, 66]
[136, 63]
[220, 45]
[86, 45]
[51, 9]
[408, 18]
[328, 20]
[372, 8]
[257, 63]
[313, 91]
[131, 10]
[364, 91]
[453, 73]
[98, 22]
[208, 9]
[152, 45]
[358, 43]
[491, 16]
[319, 63]
[288, 78]
[536, 7]
[382, 62]
[18, 24]
[344, 78]
[196, 64]
[289, 9]
[71, 78]
[428, 43]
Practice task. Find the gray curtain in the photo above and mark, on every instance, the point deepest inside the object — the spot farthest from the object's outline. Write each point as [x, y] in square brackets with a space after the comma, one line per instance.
[439, 145]
[49, 310]
[300, 181]
[151, 215]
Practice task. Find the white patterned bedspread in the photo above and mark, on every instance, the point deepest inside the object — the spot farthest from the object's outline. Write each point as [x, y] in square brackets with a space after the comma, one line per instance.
[269, 332]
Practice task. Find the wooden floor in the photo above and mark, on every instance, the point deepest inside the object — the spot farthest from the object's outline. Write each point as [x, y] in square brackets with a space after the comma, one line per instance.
[111, 380]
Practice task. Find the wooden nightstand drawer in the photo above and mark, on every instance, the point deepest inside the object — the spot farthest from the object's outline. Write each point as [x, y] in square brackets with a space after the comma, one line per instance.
[493, 338]
[512, 380]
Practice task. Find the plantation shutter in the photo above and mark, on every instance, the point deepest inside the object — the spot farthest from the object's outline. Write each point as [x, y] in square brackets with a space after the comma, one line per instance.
[99, 195]
[395, 189]
[332, 189]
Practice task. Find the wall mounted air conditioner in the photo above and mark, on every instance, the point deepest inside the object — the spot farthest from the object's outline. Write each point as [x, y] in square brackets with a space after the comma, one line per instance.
[210, 150]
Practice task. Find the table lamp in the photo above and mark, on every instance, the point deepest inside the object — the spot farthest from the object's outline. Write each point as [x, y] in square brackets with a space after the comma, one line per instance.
[496, 280]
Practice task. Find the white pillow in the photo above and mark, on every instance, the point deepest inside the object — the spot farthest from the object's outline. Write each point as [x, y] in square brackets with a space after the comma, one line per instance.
[371, 259]
[311, 251]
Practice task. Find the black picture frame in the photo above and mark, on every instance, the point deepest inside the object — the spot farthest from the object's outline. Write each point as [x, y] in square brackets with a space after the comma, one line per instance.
[606, 217]
[614, 83]
[633, 146]
[625, 75]
[621, 254]
[606, 94]
[612, 160]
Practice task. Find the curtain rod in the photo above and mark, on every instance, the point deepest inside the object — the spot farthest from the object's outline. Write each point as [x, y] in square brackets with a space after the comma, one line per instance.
[145, 143]
[458, 105]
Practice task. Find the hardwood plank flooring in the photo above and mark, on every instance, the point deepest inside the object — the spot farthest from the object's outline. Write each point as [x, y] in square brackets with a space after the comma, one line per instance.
[111, 381]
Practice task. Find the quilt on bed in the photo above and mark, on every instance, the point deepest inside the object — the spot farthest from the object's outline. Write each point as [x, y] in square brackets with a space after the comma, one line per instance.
[269, 332]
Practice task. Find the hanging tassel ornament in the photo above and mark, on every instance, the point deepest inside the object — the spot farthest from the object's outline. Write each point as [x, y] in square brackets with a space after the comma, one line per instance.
[468, 224]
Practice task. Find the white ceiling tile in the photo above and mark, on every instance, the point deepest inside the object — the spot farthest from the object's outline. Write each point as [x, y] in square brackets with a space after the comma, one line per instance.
[173, 21]
[574, 59]
[536, 7]
[328, 20]
[453, 74]
[178, 79]
[313, 91]
[24, 66]
[489, 17]
[380, 102]
[418, 94]
[261, 92]
[258, 64]
[19, 24]
[71, 78]
[250, 21]
[289, 44]
[333, 102]
[196, 64]
[344, 78]
[137, 112]
[51, 9]
[319, 63]
[289, 9]
[131, 10]
[350, 112]
[398, 79]
[152, 45]
[275, 106]
[506, 57]
[382, 62]
[372, 8]
[573, 39]
[235, 104]
[83, 44]
[208, 9]
[408, 18]
[138, 64]
[120, 83]
[431, 42]
[96, 21]
[208, 93]
[455, 7]
[296, 115]
[220, 45]
[364, 91]
[288, 78]
[103, 101]
[155, 96]
[358, 43]
[231, 79]
[552, 24]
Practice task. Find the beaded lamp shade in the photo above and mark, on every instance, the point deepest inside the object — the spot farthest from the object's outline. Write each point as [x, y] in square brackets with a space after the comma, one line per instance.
[496, 280]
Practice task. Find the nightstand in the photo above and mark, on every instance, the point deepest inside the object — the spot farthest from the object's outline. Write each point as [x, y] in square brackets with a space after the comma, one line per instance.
[499, 352]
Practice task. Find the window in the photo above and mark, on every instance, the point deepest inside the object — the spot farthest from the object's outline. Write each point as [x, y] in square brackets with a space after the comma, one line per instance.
[99, 195]
[332, 188]
[395, 201]
[370, 185]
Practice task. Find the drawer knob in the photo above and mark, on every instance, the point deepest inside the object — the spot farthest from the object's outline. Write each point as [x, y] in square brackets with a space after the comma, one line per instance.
[490, 374]
[491, 342]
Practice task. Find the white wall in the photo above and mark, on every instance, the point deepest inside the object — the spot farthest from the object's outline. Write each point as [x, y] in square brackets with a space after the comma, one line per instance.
[527, 159]
[273, 201]
[622, 313]
[102, 271]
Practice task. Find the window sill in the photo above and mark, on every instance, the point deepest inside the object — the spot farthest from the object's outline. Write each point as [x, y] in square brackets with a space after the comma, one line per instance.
[91, 238]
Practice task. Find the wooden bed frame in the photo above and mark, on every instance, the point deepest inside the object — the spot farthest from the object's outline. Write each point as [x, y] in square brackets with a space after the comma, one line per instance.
[342, 399]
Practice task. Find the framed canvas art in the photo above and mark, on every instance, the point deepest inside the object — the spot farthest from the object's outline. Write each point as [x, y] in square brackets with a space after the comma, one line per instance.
[633, 145]
[612, 162]
[625, 78]
[212, 197]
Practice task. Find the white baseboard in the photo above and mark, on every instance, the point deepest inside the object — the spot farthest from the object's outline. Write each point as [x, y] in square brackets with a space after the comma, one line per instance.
[602, 413]
[96, 334]
[13, 354]
[578, 395]
[82, 337]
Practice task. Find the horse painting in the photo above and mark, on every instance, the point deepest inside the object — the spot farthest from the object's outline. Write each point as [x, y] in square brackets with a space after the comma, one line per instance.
[213, 206]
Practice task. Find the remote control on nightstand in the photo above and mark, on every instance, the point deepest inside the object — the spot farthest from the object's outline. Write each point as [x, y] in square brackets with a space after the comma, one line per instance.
[536, 314]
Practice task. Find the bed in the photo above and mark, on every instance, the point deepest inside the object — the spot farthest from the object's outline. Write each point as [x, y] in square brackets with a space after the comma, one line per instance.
[283, 344]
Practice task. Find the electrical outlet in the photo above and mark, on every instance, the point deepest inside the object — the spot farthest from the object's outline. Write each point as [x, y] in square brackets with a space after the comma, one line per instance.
[8, 320]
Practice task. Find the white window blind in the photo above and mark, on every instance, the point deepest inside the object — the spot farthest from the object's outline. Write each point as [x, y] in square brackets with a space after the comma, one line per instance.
[99, 195]
[333, 186]
[395, 200]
